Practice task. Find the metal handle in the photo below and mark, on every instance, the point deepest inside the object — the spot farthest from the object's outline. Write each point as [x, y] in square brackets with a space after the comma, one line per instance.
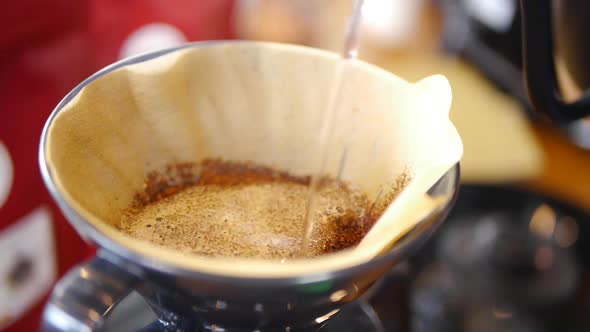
[84, 297]
[539, 67]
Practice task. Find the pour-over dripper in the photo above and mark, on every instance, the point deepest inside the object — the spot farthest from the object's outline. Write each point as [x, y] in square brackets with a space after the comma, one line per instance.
[144, 112]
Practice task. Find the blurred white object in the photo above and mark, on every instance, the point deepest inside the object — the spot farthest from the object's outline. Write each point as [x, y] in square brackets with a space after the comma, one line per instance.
[6, 173]
[496, 14]
[28, 265]
[151, 37]
[390, 23]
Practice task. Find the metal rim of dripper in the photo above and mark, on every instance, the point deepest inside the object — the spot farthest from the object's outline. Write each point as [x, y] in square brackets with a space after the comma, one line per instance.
[89, 232]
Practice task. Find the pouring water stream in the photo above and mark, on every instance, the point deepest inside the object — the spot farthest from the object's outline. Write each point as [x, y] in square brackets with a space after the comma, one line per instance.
[332, 110]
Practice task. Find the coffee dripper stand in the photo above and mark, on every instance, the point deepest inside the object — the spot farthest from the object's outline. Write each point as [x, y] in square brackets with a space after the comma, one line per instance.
[189, 300]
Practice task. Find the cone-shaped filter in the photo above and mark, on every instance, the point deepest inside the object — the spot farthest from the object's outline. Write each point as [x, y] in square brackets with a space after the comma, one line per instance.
[246, 101]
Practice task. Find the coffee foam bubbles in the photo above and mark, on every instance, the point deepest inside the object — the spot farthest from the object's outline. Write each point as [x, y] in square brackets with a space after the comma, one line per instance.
[263, 220]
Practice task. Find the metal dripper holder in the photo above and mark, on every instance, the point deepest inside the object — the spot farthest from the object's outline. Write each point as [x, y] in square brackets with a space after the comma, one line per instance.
[239, 101]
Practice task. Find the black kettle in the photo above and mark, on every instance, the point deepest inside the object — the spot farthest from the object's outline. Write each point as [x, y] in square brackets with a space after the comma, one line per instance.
[550, 26]
[514, 44]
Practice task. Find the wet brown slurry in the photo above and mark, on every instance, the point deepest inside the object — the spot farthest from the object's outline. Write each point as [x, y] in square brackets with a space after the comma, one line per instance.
[228, 209]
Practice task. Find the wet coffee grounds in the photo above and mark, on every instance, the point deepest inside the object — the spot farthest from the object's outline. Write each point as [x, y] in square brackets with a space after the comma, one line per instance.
[229, 209]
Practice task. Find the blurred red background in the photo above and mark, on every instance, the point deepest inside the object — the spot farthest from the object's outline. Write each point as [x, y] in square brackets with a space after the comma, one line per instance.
[46, 48]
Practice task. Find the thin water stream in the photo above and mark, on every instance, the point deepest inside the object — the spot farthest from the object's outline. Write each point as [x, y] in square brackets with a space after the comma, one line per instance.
[332, 112]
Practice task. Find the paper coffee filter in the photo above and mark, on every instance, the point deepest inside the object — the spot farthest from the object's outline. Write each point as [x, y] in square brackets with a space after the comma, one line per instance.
[259, 102]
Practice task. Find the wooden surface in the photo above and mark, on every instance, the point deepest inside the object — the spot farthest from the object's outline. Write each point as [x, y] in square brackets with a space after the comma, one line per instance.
[566, 171]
